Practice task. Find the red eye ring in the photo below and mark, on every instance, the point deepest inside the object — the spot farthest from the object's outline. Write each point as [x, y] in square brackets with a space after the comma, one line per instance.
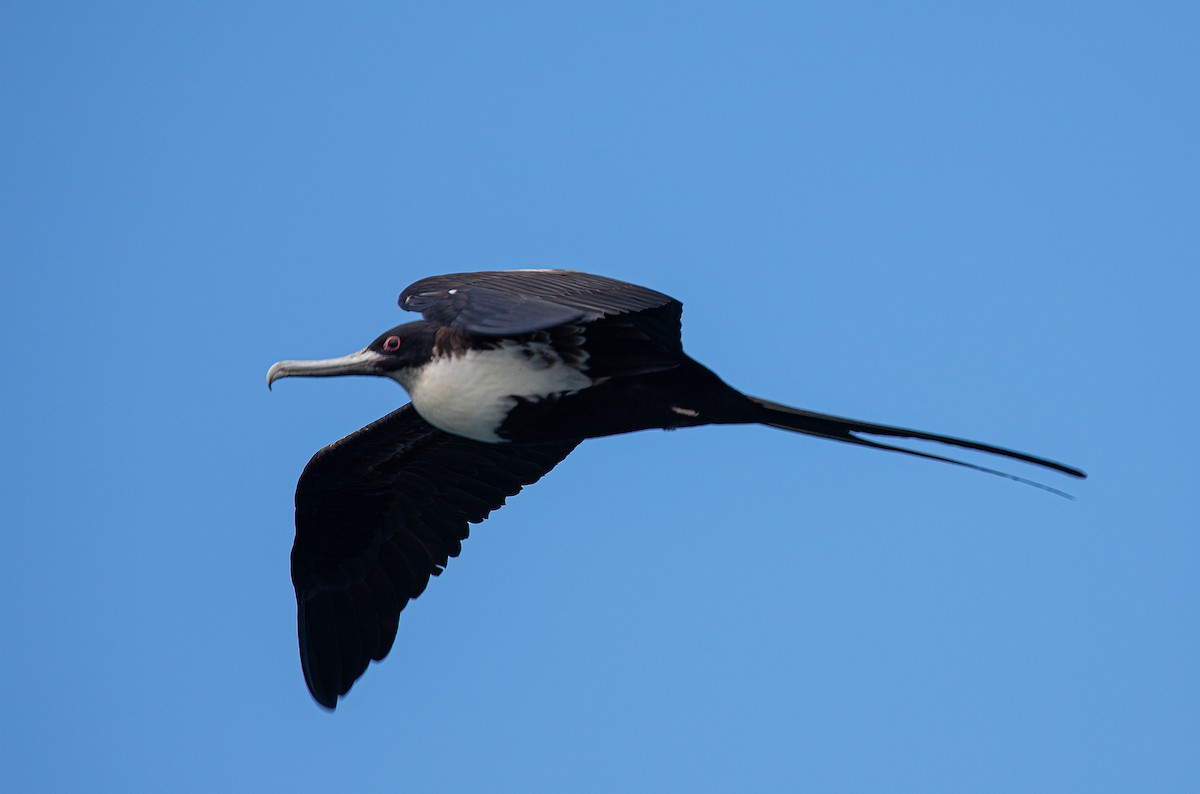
[391, 344]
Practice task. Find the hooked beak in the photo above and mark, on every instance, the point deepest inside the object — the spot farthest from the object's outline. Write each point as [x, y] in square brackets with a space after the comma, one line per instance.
[364, 362]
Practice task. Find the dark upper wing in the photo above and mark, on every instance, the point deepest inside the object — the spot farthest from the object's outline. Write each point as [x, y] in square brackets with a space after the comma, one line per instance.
[510, 302]
[377, 513]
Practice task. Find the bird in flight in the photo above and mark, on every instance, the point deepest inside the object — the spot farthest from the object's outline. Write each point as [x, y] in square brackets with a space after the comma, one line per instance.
[508, 372]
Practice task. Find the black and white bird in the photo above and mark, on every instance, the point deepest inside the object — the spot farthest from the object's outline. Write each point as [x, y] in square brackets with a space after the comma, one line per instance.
[508, 372]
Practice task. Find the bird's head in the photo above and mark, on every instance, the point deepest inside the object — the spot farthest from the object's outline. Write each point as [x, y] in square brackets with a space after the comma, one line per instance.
[395, 354]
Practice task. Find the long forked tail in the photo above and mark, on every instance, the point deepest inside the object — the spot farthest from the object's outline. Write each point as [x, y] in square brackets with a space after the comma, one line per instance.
[850, 430]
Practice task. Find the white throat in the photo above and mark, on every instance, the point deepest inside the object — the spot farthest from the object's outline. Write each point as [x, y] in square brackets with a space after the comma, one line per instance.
[471, 393]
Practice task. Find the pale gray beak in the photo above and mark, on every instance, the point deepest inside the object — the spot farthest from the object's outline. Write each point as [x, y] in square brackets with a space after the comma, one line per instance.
[364, 362]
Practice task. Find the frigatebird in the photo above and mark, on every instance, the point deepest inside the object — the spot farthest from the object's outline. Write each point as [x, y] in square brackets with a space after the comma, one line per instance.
[508, 372]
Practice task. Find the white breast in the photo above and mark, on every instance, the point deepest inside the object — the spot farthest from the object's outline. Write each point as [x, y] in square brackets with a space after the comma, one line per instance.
[471, 394]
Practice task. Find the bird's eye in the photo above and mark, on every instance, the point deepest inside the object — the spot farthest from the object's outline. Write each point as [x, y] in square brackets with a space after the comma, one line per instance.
[391, 344]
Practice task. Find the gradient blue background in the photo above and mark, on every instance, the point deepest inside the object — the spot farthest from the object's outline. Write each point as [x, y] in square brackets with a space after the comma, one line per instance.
[978, 220]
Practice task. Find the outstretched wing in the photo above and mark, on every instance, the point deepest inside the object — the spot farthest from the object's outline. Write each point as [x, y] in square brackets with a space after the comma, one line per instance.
[512, 302]
[378, 513]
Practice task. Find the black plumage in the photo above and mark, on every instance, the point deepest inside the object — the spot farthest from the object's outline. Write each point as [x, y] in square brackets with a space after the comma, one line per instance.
[377, 514]
[509, 371]
[513, 302]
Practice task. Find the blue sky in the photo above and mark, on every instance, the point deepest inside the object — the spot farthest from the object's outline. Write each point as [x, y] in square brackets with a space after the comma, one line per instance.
[973, 220]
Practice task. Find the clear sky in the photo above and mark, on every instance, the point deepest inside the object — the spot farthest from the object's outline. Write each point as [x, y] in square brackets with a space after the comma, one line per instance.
[976, 220]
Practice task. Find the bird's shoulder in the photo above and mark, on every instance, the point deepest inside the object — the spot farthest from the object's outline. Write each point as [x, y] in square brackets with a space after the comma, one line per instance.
[511, 302]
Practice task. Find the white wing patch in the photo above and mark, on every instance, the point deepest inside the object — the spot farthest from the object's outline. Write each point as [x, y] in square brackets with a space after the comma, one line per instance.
[471, 394]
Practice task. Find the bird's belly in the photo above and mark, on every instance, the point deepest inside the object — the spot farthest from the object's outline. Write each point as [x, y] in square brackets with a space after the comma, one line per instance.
[470, 394]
